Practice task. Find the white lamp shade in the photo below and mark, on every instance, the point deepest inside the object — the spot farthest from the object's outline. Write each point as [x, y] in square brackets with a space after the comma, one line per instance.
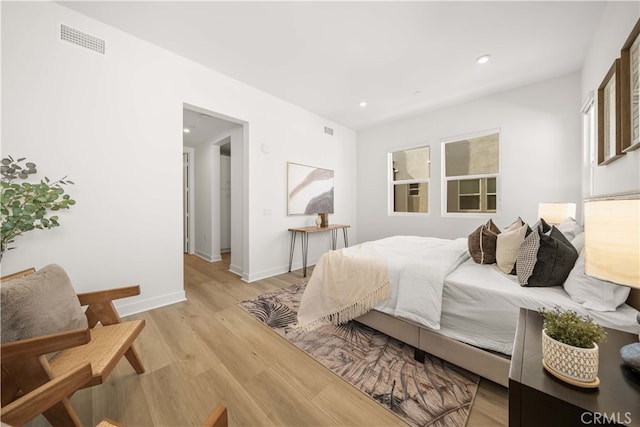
[555, 213]
[612, 240]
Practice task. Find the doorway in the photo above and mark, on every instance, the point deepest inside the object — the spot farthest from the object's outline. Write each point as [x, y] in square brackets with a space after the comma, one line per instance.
[215, 223]
[225, 196]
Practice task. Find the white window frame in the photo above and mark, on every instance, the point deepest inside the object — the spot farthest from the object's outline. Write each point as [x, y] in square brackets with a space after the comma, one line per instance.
[590, 161]
[391, 182]
[445, 179]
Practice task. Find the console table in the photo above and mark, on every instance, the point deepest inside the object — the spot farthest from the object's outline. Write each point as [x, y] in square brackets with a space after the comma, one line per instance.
[304, 233]
[536, 398]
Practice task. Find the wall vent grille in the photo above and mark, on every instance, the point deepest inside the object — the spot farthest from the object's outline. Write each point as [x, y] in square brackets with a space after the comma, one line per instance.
[82, 39]
[328, 130]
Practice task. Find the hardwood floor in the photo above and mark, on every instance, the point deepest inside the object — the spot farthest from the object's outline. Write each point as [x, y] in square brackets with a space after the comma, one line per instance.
[207, 350]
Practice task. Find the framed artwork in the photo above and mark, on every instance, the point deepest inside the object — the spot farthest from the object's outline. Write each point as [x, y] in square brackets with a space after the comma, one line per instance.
[630, 90]
[609, 141]
[309, 190]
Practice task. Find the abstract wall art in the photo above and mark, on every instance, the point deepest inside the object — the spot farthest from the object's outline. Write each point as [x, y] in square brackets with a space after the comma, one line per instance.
[309, 189]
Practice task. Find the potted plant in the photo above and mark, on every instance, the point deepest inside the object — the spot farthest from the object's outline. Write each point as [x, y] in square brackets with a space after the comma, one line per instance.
[570, 345]
[26, 206]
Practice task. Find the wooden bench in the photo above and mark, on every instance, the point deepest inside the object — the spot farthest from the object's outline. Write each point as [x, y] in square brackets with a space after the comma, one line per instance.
[26, 368]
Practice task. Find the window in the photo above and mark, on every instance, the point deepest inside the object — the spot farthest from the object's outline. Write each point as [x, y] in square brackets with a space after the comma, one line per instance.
[409, 175]
[471, 170]
[589, 141]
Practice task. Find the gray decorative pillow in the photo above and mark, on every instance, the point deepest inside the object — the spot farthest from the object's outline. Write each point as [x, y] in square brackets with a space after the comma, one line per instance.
[482, 243]
[39, 304]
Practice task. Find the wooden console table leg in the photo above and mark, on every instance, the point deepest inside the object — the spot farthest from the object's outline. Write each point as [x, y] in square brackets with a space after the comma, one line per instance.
[346, 238]
[334, 239]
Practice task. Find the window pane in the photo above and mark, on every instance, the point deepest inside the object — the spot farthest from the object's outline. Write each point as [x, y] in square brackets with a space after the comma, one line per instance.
[411, 197]
[471, 195]
[468, 203]
[470, 186]
[491, 185]
[473, 156]
[411, 164]
[491, 203]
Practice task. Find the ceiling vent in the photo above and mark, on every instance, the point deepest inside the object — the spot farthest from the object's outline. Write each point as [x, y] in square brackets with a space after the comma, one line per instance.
[328, 130]
[82, 39]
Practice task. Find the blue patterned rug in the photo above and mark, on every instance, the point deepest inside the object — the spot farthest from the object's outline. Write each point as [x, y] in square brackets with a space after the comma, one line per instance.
[434, 393]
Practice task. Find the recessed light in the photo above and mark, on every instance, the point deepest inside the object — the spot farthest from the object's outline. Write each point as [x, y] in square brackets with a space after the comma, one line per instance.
[483, 59]
[363, 103]
[186, 130]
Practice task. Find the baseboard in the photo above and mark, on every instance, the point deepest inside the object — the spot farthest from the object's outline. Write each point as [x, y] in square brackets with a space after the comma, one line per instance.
[265, 274]
[208, 257]
[150, 304]
[236, 270]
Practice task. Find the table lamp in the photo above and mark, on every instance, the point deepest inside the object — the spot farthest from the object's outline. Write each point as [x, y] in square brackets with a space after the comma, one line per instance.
[555, 213]
[612, 249]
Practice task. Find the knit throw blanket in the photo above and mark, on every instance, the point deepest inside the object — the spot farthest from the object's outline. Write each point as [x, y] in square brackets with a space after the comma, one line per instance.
[344, 284]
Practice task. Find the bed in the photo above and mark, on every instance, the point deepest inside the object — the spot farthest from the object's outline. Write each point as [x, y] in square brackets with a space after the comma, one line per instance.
[474, 326]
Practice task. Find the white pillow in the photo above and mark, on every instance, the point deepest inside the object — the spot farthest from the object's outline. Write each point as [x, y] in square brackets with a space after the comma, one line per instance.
[578, 242]
[592, 293]
[570, 228]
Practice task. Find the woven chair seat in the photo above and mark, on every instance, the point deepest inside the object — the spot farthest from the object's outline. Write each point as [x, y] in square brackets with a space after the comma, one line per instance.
[108, 344]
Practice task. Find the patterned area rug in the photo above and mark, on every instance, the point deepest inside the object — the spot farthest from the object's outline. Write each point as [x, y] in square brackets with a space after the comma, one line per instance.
[435, 393]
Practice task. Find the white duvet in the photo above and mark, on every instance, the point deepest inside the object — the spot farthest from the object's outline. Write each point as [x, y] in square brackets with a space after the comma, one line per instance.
[417, 269]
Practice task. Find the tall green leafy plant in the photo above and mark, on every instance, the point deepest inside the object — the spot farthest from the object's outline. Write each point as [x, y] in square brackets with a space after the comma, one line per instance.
[26, 205]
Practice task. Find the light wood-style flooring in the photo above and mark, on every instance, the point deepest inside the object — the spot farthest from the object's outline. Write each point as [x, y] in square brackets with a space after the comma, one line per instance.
[207, 350]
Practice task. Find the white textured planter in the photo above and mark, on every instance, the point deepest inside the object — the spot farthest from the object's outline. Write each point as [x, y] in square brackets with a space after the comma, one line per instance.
[579, 364]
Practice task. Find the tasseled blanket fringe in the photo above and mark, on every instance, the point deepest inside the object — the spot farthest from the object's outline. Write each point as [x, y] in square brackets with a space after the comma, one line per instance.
[344, 314]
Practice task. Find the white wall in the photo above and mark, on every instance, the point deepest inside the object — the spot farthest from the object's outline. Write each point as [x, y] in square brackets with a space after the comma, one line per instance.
[619, 18]
[207, 242]
[540, 159]
[114, 124]
[268, 206]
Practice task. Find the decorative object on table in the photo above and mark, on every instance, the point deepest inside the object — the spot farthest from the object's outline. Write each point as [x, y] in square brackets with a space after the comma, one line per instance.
[630, 353]
[612, 249]
[324, 219]
[570, 347]
[433, 393]
[609, 143]
[309, 189]
[630, 90]
[27, 206]
[318, 221]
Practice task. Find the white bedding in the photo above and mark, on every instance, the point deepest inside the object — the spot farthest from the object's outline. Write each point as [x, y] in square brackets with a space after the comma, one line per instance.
[480, 307]
[417, 268]
[434, 283]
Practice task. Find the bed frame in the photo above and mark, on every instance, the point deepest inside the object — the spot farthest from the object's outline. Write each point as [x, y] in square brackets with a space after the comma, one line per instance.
[487, 364]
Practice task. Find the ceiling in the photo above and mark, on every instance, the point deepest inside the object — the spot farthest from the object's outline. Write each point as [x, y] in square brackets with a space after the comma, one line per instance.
[202, 127]
[402, 58]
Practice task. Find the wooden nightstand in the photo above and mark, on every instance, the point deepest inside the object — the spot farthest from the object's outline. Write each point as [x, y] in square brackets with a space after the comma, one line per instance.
[536, 398]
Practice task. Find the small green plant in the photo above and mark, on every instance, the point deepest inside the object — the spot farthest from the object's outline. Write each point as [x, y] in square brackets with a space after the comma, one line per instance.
[572, 329]
[25, 206]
